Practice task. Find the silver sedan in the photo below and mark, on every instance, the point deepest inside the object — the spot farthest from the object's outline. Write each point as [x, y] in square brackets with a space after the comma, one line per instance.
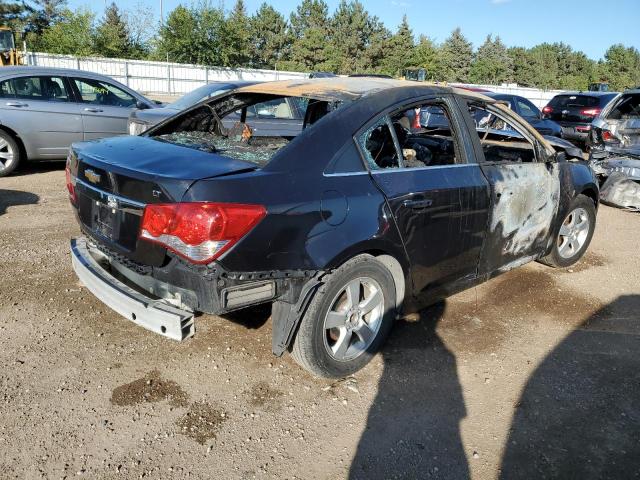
[44, 110]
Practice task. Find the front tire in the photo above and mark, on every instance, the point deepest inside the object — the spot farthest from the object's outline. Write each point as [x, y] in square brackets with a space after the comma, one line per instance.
[10, 155]
[348, 319]
[575, 233]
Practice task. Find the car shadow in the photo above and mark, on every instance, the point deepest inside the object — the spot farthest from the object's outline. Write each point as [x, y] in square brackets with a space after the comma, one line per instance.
[413, 427]
[28, 168]
[579, 414]
[11, 198]
[252, 317]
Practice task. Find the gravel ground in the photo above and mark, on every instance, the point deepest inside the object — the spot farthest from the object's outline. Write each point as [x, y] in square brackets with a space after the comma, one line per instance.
[535, 374]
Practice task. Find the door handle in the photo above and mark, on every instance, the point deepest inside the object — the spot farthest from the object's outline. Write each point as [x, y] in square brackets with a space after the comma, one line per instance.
[92, 110]
[417, 204]
[16, 104]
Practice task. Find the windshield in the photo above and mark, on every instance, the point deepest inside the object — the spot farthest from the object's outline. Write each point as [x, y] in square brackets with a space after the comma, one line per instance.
[6, 40]
[198, 95]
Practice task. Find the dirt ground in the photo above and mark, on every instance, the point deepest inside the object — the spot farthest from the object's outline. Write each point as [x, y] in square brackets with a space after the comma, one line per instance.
[535, 374]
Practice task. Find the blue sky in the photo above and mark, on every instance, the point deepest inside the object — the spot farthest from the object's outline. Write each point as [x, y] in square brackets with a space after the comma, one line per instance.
[587, 25]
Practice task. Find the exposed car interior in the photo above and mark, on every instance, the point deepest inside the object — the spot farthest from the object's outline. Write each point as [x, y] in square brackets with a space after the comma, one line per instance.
[225, 127]
[627, 108]
[423, 135]
[500, 140]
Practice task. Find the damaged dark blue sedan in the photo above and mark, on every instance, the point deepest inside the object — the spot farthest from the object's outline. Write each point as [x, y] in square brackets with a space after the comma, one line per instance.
[365, 215]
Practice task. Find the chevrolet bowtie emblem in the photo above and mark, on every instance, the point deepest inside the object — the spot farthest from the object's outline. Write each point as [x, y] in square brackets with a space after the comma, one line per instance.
[92, 176]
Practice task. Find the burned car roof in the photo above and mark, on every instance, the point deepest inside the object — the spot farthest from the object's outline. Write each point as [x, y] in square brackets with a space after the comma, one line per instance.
[349, 88]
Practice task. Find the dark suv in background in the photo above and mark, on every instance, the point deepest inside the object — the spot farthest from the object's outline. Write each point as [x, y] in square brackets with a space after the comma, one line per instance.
[575, 112]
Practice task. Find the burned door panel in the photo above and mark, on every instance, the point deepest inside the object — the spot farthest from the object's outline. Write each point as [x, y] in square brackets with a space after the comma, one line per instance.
[525, 200]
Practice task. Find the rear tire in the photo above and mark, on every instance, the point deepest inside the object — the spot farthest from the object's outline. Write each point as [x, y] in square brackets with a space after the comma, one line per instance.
[337, 335]
[574, 236]
[10, 153]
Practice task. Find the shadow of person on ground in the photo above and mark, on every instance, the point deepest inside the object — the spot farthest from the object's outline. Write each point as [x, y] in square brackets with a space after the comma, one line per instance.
[579, 414]
[12, 198]
[413, 428]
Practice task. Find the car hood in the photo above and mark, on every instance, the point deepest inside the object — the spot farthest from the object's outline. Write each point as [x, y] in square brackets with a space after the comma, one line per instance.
[153, 116]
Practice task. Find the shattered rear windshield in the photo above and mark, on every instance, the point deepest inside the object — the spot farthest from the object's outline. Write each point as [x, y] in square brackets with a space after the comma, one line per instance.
[258, 150]
[252, 127]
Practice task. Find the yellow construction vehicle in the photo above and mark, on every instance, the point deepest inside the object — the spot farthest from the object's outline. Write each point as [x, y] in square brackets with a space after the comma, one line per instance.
[9, 54]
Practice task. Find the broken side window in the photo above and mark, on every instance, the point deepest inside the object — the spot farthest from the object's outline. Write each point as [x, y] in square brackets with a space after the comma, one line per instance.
[378, 146]
[627, 107]
[424, 133]
[500, 139]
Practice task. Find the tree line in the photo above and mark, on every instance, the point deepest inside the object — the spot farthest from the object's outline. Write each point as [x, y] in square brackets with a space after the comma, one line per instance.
[347, 40]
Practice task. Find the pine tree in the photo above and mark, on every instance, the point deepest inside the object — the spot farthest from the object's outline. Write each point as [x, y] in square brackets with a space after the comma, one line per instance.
[456, 54]
[112, 35]
[350, 34]
[310, 30]
[238, 36]
[425, 56]
[622, 67]
[271, 41]
[400, 51]
[522, 66]
[492, 64]
[44, 13]
[13, 13]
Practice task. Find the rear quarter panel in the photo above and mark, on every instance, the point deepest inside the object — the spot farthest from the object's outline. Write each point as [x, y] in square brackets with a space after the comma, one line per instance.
[313, 222]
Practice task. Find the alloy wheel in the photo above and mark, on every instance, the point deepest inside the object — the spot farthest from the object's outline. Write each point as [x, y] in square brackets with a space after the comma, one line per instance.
[573, 233]
[7, 156]
[353, 321]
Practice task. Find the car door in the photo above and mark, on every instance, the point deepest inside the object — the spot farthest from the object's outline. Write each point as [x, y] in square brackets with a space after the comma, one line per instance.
[275, 118]
[525, 189]
[435, 190]
[40, 110]
[105, 107]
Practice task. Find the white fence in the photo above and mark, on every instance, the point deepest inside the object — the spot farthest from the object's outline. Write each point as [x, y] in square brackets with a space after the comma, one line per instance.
[539, 97]
[157, 77]
[178, 78]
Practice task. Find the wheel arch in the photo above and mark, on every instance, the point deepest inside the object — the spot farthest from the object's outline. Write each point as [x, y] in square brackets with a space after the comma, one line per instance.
[592, 193]
[399, 269]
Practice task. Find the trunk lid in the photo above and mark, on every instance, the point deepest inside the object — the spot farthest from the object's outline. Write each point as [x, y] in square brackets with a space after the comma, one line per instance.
[117, 177]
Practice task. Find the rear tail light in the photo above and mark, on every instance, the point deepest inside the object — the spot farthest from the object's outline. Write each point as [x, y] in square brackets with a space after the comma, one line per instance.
[199, 232]
[591, 112]
[71, 184]
[547, 110]
[608, 137]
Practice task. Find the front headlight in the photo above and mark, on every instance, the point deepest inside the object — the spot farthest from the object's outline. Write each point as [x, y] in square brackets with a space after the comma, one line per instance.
[136, 128]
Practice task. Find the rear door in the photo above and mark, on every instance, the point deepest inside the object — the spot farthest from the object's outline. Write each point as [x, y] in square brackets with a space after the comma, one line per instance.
[105, 107]
[525, 190]
[40, 109]
[437, 193]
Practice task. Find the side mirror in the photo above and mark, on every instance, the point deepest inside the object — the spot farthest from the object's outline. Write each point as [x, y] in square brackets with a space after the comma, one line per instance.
[140, 105]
